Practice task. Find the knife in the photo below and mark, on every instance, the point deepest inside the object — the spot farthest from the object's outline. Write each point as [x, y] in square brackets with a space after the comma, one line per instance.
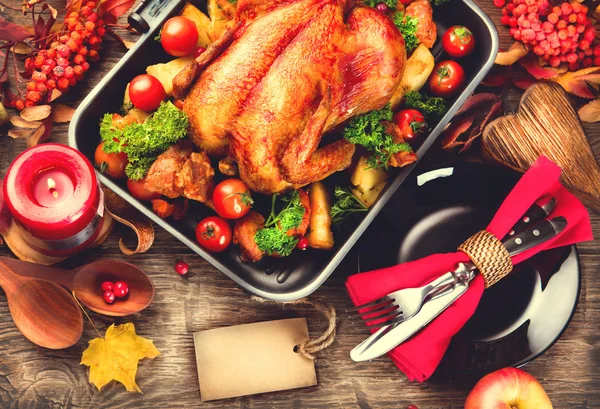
[387, 338]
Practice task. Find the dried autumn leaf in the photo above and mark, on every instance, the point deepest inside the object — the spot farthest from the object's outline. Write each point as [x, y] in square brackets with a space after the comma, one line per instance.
[476, 101]
[12, 32]
[576, 82]
[111, 10]
[36, 113]
[20, 133]
[62, 113]
[456, 129]
[116, 356]
[493, 113]
[128, 44]
[590, 112]
[124, 213]
[39, 135]
[22, 48]
[55, 94]
[532, 64]
[514, 54]
[21, 123]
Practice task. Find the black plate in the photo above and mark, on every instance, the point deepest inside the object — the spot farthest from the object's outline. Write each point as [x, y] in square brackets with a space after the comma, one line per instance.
[302, 273]
[520, 317]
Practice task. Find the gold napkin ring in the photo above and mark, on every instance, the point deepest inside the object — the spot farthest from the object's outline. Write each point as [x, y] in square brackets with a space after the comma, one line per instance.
[489, 256]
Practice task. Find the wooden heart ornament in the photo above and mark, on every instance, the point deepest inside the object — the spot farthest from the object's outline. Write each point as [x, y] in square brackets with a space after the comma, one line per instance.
[546, 124]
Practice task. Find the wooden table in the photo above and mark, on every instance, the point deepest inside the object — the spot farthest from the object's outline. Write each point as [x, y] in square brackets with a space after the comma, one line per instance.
[32, 377]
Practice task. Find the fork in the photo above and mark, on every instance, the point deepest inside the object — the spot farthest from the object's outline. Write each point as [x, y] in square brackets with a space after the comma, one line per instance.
[401, 305]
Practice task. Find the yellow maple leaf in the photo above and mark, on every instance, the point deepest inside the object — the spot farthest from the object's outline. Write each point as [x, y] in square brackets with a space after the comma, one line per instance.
[116, 356]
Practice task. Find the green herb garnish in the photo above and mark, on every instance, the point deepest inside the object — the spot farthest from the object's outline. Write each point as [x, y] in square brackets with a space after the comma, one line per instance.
[429, 106]
[390, 3]
[346, 204]
[436, 3]
[407, 25]
[273, 238]
[144, 142]
[368, 130]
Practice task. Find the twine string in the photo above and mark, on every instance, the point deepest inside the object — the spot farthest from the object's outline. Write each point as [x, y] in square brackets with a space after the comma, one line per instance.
[309, 348]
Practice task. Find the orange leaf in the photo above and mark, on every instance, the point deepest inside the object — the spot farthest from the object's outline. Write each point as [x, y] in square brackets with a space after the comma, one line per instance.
[576, 82]
[532, 64]
[111, 10]
[590, 112]
[514, 54]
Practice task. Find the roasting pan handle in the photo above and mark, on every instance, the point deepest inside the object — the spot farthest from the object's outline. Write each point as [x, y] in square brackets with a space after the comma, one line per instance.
[151, 13]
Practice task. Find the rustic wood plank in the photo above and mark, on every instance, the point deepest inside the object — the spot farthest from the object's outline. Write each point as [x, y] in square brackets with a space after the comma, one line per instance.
[32, 377]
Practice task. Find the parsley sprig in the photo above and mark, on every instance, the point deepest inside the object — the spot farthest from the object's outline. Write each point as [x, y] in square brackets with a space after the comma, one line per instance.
[368, 130]
[407, 25]
[346, 205]
[144, 142]
[273, 238]
[429, 106]
[390, 3]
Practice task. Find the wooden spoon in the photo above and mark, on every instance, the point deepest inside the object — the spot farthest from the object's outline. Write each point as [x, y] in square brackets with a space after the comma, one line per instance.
[44, 312]
[86, 282]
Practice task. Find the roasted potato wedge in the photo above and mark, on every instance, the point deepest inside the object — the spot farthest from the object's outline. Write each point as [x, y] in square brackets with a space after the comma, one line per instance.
[202, 22]
[221, 14]
[320, 235]
[166, 72]
[368, 183]
[418, 69]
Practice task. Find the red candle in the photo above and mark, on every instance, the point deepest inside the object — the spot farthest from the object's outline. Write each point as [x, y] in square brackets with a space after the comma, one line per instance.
[52, 193]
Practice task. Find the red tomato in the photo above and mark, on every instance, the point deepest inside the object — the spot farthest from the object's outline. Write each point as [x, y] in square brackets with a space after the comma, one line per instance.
[447, 79]
[179, 36]
[213, 234]
[113, 164]
[232, 199]
[458, 41]
[411, 122]
[146, 92]
[137, 189]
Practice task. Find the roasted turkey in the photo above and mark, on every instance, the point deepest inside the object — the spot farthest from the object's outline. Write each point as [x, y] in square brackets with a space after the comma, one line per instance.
[286, 73]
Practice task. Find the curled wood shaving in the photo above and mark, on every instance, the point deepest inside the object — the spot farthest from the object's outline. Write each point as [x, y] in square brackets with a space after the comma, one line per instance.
[126, 214]
[514, 54]
[590, 112]
[21, 123]
[36, 113]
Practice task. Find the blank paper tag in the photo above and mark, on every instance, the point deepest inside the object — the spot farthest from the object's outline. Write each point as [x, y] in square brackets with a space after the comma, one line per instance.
[253, 358]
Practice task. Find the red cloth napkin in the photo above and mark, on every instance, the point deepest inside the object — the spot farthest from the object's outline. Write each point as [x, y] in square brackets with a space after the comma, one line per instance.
[419, 356]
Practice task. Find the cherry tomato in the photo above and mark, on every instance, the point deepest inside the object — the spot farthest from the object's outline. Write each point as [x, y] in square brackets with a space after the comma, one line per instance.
[447, 79]
[458, 41]
[137, 189]
[411, 122]
[213, 234]
[179, 36]
[232, 199]
[146, 92]
[113, 164]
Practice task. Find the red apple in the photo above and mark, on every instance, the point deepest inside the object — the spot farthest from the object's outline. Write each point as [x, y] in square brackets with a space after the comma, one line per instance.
[508, 388]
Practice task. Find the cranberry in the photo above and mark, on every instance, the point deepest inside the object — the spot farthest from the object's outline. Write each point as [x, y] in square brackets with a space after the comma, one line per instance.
[107, 286]
[412, 407]
[182, 268]
[120, 289]
[109, 297]
[383, 7]
[302, 243]
[499, 3]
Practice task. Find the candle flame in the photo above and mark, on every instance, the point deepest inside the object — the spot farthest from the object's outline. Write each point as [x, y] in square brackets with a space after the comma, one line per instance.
[55, 194]
[51, 183]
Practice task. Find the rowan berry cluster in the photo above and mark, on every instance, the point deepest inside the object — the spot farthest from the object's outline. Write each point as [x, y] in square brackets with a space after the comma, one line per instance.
[67, 58]
[558, 34]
